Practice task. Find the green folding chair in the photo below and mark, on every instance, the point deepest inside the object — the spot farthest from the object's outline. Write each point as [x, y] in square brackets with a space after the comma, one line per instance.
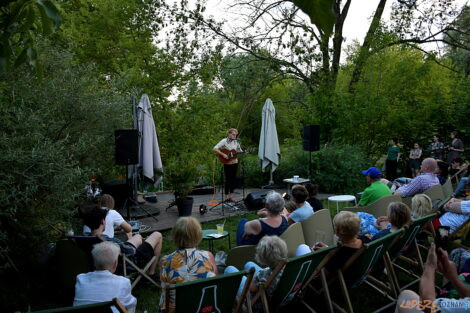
[297, 273]
[361, 263]
[215, 294]
[238, 256]
[402, 247]
[102, 307]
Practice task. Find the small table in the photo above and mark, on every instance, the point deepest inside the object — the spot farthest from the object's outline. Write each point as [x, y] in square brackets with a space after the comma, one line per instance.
[290, 182]
[206, 236]
[342, 198]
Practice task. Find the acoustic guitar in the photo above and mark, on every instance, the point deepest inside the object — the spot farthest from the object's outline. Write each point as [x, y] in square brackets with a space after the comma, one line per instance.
[233, 154]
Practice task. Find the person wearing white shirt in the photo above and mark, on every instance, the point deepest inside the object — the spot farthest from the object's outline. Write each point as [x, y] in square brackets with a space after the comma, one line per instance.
[457, 213]
[223, 148]
[102, 284]
[113, 219]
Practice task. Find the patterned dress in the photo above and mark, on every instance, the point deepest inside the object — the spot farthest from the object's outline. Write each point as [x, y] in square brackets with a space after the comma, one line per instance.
[182, 266]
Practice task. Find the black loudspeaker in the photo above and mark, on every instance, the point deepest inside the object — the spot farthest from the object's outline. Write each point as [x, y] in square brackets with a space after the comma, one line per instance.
[118, 189]
[311, 138]
[127, 146]
[256, 200]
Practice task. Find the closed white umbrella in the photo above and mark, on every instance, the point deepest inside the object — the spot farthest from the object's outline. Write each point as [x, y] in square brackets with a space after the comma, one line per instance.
[149, 151]
[269, 152]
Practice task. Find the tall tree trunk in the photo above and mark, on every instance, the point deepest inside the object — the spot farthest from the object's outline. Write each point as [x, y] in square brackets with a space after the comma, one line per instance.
[364, 52]
[338, 37]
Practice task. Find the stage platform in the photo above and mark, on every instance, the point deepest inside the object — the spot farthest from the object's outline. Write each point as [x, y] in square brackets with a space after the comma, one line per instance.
[167, 216]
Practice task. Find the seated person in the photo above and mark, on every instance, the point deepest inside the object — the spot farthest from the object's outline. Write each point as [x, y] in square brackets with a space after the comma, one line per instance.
[421, 206]
[250, 232]
[422, 182]
[460, 189]
[312, 200]
[442, 172]
[427, 287]
[138, 251]
[114, 220]
[376, 189]
[456, 166]
[187, 263]
[102, 285]
[270, 251]
[346, 225]
[303, 210]
[398, 215]
[457, 212]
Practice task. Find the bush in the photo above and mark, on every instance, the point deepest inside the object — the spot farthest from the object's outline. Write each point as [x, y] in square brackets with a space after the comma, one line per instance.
[336, 168]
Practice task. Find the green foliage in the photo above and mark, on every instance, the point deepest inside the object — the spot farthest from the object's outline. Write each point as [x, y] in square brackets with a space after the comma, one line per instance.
[321, 13]
[181, 175]
[21, 22]
[55, 133]
[335, 168]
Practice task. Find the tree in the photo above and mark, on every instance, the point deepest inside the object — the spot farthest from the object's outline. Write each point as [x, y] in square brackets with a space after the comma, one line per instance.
[459, 37]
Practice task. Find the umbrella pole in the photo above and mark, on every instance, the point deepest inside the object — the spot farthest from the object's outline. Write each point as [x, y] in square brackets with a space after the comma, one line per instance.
[271, 181]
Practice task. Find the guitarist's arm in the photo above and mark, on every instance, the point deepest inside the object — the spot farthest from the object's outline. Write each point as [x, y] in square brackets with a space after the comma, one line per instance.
[217, 151]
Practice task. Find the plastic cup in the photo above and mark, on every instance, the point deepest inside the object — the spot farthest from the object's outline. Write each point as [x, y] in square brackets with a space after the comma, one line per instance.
[296, 178]
[220, 228]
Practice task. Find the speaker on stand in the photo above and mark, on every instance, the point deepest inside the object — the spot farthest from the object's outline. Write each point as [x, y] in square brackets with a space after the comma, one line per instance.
[311, 142]
[126, 154]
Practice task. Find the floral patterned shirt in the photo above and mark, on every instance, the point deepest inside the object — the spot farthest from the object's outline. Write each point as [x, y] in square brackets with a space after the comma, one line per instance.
[182, 266]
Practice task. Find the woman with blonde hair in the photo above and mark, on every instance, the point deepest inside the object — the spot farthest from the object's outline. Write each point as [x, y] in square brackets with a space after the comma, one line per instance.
[421, 205]
[187, 263]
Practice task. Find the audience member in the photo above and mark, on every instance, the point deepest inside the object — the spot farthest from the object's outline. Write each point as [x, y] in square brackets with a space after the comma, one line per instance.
[455, 166]
[456, 213]
[250, 232]
[270, 251]
[187, 263]
[393, 156]
[422, 182]
[376, 188]
[398, 215]
[304, 210]
[442, 171]
[114, 220]
[415, 159]
[137, 250]
[456, 147]
[346, 225]
[427, 287]
[436, 148]
[421, 206]
[102, 285]
[459, 190]
[315, 203]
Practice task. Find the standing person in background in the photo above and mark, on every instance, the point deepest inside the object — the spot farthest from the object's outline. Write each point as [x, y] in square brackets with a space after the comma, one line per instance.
[455, 148]
[393, 156]
[230, 167]
[436, 148]
[415, 159]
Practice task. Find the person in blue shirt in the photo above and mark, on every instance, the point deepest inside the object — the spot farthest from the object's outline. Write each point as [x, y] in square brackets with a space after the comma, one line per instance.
[304, 210]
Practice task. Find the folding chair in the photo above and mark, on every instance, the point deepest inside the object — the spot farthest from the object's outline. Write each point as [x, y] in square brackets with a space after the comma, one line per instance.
[447, 188]
[436, 194]
[293, 236]
[238, 256]
[378, 207]
[86, 243]
[404, 245]
[102, 307]
[215, 294]
[361, 263]
[297, 273]
[318, 227]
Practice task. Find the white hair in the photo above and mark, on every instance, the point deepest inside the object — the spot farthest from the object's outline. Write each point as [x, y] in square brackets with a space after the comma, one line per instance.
[105, 254]
[275, 202]
[270, 251]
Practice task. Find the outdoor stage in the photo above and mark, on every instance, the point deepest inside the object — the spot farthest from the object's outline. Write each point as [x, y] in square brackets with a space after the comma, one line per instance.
[167, 217]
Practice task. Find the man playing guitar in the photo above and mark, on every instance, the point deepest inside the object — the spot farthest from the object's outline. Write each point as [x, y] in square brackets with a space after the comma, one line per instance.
[227, 150]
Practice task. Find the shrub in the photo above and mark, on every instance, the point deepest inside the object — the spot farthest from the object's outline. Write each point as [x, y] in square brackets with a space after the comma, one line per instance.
[336, 168]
